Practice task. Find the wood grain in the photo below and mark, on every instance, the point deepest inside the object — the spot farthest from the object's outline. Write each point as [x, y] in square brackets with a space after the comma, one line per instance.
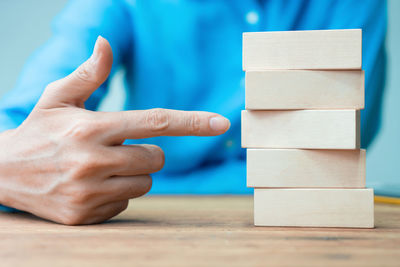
[196, 231]
[314, 207]
[304, 89]
[309, 129]
[306, 168]
[326, 49]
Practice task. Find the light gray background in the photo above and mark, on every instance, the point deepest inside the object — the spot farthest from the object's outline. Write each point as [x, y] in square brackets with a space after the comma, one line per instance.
[25, 25]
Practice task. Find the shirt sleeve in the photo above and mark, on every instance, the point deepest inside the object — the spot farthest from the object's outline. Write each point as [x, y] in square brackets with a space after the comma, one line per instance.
[74, 32]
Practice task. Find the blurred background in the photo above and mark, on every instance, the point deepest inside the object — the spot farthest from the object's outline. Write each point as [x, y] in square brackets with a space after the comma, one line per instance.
[25, 25]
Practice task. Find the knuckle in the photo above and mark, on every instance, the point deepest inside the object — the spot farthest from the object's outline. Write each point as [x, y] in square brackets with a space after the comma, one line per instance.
[141, 188]
[79, 196]
[52, 86]
[86, 165]
[78, 129]
[85, 72]
[157, 119]
[90, 164]
[82, 128]
[120, 162]
[73, 217]
[120, 159]
[75, 210]
[193, 123]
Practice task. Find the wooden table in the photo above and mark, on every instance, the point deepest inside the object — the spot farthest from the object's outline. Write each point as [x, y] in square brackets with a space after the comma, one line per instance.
[181, 231]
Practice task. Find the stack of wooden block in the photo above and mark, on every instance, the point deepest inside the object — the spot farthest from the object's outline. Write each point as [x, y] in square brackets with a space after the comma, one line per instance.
[304, 90]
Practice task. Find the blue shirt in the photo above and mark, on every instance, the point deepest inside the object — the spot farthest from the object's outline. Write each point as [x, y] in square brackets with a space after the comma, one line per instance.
[187, 54]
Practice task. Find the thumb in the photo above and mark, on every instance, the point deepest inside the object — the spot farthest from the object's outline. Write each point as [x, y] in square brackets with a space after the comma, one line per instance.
[76, 88]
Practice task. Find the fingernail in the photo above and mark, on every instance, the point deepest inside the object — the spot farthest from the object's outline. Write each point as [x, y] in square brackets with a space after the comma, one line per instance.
[219, 124]
[96, 53]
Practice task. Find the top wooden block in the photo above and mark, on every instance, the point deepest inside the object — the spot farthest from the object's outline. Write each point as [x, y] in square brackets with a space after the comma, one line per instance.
[326, 49]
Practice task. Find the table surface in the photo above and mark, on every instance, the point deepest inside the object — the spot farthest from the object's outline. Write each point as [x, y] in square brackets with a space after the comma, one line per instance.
[188, 230]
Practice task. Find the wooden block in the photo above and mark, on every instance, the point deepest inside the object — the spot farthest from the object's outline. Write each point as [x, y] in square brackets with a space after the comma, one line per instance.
[327, 49]
[314, 207]
[305, 168]
[318, 129]
[304, 89]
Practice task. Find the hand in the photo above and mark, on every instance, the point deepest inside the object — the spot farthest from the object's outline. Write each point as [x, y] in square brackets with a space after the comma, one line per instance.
[69, 165]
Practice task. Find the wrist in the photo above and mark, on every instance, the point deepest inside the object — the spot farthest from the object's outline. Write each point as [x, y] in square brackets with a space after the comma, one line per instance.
[5, 151]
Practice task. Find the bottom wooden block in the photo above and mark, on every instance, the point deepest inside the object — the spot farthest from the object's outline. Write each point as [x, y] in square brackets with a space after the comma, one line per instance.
[314, 207]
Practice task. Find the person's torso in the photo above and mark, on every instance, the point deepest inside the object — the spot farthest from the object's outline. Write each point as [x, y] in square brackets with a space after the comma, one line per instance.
[187, 54]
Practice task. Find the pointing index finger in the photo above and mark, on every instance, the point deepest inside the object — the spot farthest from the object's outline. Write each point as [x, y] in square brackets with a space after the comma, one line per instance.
[139, 124]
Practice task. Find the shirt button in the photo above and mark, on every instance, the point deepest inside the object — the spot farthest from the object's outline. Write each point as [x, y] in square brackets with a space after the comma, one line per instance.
[252, 17]
[229, 143]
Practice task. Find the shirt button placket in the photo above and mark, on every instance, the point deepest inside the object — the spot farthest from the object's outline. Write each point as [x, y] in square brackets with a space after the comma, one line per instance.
[252, 17]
